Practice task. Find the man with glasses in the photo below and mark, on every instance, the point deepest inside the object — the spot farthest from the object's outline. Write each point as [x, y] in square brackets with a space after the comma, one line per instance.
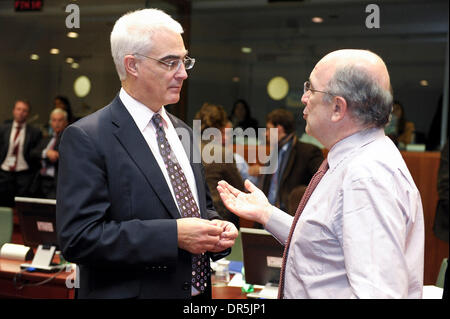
[133, 208]
[359, 229]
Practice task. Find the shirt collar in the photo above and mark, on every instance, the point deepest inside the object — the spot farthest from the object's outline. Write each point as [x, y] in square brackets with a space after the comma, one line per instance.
[140, 113]
[351, 144]
[17, 124]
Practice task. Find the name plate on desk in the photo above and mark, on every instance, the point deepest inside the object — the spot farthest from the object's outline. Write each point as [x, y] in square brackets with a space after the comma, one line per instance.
[274, 262]
[415, 147]
[16, 252]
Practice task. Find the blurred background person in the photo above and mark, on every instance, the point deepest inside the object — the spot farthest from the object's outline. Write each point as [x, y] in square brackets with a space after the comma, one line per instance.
[214, 116]
[247, 171]
[44, 183]
[241, 116]
[17, 139]
[62, 102]
[297, 163]
[399, 130]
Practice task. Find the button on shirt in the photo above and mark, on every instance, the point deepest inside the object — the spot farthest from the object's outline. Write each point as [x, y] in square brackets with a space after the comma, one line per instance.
[361, 234]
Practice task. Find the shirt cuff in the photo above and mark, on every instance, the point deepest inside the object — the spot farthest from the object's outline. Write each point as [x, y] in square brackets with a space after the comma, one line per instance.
[279, 225]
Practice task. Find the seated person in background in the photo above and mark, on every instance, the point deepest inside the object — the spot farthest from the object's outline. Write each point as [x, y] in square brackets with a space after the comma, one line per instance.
[215, 164]
[246, 171]
[44, 184]
[241, 116]
[400, 131]
[297, 163]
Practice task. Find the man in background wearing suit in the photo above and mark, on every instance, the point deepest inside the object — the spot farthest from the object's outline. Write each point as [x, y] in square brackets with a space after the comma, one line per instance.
[126, 179]
[297, 163]
[17, 167]
[44, 184]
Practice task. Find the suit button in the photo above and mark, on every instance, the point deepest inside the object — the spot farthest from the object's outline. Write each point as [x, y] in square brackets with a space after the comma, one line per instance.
[186, 285]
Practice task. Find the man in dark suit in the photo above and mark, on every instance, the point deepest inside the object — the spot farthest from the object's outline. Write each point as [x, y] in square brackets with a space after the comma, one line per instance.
[297, 163]
[17, 167]
[44, 184]
[126, 178]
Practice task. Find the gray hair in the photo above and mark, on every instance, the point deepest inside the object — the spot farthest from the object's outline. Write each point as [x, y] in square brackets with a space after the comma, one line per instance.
[60, 111]
[132, 33]
[367, 101]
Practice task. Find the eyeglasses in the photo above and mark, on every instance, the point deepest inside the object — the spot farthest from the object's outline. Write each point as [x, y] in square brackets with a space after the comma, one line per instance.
[307, 87]
[175, 63]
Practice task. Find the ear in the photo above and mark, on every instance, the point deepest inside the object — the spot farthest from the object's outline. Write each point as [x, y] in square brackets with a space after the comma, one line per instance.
[280, 130]
[339, 109]
[130, 64]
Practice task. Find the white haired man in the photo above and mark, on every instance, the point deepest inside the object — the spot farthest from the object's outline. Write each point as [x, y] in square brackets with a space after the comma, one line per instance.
[360, 232]
[126, 179]
[44, 184]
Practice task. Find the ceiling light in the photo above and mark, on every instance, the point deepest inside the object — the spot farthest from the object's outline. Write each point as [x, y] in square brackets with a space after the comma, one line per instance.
[54, 51]
[423, 83]
[69, 60]
[72, 35]
[34, 57]
[75, 65]
[246, 50]
[317, 19]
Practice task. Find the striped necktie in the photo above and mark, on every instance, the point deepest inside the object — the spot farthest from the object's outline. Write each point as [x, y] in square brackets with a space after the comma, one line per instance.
[15, 152]
[185, 200]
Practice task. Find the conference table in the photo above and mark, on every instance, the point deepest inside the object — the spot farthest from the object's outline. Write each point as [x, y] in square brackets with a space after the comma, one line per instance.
[56, 286]
[16, 283]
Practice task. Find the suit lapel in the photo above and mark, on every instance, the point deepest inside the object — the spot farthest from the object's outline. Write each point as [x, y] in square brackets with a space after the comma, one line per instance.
[26, 142]
[134, 143]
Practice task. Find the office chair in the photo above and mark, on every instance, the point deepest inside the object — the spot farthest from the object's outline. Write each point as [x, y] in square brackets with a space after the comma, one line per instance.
[441, 276]
[236, 250]
[6, 225]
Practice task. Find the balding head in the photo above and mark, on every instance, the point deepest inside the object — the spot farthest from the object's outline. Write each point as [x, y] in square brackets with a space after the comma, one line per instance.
[361, 59]
[362, 79]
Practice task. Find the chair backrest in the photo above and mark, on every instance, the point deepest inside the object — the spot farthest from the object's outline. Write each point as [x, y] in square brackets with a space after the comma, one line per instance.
[441, 276]
[236, 250]
[6, 225]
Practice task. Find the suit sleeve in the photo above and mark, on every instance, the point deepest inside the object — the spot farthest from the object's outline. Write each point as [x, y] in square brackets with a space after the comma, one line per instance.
[87, 233]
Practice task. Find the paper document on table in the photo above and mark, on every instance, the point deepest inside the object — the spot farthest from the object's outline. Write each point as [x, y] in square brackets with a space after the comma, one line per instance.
[236, 281]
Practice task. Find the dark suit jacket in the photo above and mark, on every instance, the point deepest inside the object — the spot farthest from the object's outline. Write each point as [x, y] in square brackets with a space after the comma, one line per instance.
[116, 217]
[36, 154]
[302, 163]
[32, 137]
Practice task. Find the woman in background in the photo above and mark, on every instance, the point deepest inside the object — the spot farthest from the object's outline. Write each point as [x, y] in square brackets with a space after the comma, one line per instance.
[214, 157]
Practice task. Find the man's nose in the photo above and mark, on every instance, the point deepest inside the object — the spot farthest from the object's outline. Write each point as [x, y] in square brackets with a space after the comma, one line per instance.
[181, 72]
[304, 98]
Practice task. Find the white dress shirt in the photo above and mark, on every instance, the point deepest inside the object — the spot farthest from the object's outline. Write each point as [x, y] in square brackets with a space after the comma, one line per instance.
[361, 234]
[10, 159]
[142, 116]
